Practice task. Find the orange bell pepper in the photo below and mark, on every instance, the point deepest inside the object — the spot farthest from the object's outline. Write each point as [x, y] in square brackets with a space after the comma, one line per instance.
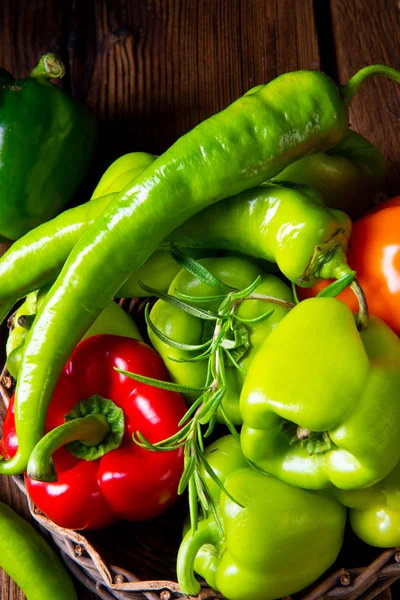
[374, 253]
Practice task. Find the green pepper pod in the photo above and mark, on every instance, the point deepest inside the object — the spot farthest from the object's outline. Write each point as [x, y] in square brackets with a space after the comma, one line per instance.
[274, 223]
[320, 402]
[30, 561]
[237, 149]
[375, 511]
[348, 176]
[47, 143]
[257, 557]
[121, 172]
[185, 328]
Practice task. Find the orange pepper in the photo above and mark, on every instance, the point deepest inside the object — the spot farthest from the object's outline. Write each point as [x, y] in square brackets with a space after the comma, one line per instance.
[374, 253]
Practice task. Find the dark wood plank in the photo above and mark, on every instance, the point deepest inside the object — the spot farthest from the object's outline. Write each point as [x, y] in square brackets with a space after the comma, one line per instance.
[368, 33]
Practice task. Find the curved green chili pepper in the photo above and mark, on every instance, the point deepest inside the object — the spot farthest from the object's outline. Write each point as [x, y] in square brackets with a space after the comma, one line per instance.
[348, 176]
[263, 222]
[30, 561]
[237, 149]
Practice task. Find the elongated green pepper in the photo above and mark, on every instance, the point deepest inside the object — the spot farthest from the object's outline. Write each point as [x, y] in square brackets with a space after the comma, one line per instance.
[30, 561]
[277, 224]
[237, 149]
[351, 171]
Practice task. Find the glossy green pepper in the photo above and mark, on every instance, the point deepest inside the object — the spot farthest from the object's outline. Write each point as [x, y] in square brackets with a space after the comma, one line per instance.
[279, 541]
[348, 176]
[375, 511]
[339, 174]
[320, 403]
[185, 328]
[290, 227]
[113, 320]
[47, 143]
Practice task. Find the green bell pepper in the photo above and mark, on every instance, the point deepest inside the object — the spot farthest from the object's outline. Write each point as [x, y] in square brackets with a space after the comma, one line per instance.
[46, 146]
[375, 511]
[185, 328]
[277, 542]
[347, 176]
[320, 403]
[113, 320]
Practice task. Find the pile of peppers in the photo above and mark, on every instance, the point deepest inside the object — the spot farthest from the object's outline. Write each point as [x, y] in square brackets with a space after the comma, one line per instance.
[274, 324]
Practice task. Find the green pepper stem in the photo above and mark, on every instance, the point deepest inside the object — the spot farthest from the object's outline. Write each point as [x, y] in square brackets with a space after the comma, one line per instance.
[362, 318]
[90, 430]
[48, 67]
[206, 533]
[353, 85]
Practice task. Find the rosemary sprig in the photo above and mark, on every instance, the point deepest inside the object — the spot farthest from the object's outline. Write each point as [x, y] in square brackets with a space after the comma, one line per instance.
[228, 343]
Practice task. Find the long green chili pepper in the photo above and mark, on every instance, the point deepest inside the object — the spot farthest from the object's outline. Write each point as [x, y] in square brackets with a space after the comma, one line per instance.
[347, 176]
[251, 141]
[30, 561]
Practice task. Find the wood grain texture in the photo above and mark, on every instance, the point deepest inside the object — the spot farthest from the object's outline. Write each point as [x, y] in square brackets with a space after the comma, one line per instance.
[152, 69]
[368, 33]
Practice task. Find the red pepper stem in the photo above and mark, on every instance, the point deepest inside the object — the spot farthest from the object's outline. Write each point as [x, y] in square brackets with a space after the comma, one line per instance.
[351, 88]
[90, 430]
[48, 67]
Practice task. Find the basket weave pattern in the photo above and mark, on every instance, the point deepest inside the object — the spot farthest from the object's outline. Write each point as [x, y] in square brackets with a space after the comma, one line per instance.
[109, 581]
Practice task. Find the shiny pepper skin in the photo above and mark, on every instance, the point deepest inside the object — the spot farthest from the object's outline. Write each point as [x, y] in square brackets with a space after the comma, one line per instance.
[320, 403]
[279, 541]
[127, 483]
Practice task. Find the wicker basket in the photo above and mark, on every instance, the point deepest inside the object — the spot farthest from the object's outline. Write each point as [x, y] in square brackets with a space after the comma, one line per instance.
[150, 550]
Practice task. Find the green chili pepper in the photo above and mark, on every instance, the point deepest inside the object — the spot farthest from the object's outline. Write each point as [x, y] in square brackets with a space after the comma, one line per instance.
[242, 337]
[375, 511]
[256, 556]
[30, 561]
[348, 176]
[113, 320]
[320, 402]
[291, 227]
[350, 171]
[47, 142]
[251, 141]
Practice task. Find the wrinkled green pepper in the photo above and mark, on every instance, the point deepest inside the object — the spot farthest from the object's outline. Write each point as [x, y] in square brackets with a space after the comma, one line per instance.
[113, 320]
[348, 176]
[279, 541]
[46, 146]
[184, 328]
[375, 511]
[320, 403]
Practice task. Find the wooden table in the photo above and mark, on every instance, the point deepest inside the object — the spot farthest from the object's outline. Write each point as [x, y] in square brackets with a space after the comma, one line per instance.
[152, 69]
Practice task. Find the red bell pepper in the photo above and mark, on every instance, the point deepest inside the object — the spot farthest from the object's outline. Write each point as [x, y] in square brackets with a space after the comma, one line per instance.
[127, 482]
[374, 253]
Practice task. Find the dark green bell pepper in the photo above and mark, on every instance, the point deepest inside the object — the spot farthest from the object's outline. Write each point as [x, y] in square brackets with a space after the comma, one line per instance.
[279, 541]
[320, 403]
[375, 511]
[348, 176]
[187, 329]
[46, 146]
